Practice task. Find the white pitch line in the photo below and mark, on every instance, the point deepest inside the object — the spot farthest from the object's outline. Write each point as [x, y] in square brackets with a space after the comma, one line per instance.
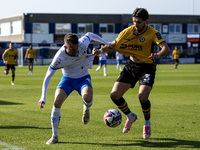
[10, 146]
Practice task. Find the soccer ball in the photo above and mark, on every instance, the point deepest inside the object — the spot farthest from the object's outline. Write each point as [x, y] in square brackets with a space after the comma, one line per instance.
[112, 118]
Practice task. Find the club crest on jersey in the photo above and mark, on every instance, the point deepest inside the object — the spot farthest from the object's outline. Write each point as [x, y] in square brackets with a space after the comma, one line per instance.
[142, 39]
[58, 61]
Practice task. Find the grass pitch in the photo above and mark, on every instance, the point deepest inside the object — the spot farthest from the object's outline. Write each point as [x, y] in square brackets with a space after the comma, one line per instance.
[175, 112]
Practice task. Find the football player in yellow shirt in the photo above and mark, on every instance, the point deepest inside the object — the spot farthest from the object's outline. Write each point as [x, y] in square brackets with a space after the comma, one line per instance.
[30, 53]
[175, 56]
[10, 57]
[137, 41]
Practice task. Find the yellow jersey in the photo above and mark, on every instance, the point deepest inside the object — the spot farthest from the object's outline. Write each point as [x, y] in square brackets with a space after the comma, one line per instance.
[140, 46]
[10, 56]
[30, 53]
[176, 54]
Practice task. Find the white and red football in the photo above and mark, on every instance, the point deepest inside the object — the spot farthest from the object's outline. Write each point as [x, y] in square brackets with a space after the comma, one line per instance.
[112, 118]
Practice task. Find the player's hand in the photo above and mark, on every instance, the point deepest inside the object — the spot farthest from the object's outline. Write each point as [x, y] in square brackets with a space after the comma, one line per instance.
[41, 104]
[96, 51]
[154, 56]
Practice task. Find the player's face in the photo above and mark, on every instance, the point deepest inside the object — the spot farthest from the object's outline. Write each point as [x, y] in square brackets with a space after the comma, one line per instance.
[71, 49]
[139, 24]
[11, 45]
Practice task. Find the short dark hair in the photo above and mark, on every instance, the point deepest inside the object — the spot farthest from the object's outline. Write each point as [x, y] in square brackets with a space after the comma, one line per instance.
[71, 37]
[141, 13]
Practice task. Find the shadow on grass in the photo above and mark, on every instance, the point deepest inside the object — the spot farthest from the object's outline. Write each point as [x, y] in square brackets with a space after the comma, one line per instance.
[21, 127]
[151, 143]
[9, 103]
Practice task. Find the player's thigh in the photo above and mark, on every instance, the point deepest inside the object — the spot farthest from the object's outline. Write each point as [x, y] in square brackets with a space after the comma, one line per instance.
[119, 89]
[87, 93]
[60, 96]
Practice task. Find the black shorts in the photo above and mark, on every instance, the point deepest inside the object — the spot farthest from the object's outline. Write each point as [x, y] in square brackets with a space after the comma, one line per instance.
[176, 60]
[30, 60]
[7, 67]
[142, 72]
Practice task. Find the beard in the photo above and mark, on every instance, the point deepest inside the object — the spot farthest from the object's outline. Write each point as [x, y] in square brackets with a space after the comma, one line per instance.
[139, 30]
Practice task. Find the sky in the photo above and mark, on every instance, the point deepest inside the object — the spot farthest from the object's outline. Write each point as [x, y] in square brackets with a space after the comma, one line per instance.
[177, 7]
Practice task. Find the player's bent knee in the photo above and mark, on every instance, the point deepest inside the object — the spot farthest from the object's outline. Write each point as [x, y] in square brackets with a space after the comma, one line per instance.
[57, 104]
[87, 98]
[114, 96]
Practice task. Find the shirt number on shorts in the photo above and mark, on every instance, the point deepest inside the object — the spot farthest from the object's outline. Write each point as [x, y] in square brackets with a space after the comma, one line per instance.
[146, 78]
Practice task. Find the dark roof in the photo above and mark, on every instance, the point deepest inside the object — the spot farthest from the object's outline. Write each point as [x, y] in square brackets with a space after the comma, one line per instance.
[101, 18]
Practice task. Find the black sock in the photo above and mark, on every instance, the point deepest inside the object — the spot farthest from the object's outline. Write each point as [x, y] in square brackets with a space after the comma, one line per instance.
[146, 108]
[122, 105]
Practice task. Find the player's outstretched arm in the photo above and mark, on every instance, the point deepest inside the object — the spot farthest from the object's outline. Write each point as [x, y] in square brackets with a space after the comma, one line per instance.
[97, 38]
[49, 74]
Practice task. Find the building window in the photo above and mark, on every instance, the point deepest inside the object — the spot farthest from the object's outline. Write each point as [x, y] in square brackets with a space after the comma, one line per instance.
[106, 28]
[191, 51]
[156, 26]
[63, 28]
[175, 28]
[193, 28]
[11, 30]
[196, 28]
[16, 27]
[103, 28]
[84, 27]
[36, 28]
[5, 28]
[165, 28]
[40, 28]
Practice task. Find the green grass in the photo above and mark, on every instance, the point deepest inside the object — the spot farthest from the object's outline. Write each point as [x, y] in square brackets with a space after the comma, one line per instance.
[175, 112]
